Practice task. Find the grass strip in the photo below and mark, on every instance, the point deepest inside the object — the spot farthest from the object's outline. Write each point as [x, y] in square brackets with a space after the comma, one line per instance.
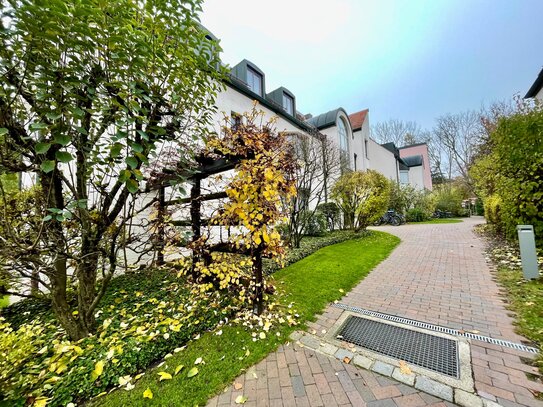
[311, 283]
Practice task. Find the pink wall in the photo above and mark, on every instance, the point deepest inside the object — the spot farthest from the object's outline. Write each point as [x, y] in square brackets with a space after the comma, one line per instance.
[420, 149]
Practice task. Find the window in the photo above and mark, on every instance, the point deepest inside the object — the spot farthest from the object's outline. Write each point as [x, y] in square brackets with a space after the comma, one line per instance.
[343, 139]
[355, 158]
[288, 104]
[254, 80]
[404, 177]
[366, 148]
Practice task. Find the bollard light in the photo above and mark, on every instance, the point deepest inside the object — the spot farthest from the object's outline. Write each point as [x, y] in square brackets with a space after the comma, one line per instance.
[528, 255]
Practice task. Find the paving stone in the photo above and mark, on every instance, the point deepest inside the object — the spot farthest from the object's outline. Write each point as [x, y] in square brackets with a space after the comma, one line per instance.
[296, 335]
[327, 348]
[362, 361]
[466, 399]
[298, 386]
[490, 403]
[382, 403]
[382, 368]
[408, 379]
[434, 388]
[343, 353]
[310, 341]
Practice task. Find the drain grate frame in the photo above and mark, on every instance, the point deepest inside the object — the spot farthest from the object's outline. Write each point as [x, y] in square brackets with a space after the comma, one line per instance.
[437, 328]
[432, 352]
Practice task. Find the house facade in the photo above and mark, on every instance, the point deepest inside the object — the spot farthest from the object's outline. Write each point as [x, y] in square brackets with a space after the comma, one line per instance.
[536, 90]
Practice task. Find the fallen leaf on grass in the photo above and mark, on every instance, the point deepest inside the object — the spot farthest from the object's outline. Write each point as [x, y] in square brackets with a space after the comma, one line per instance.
[148, 394]
[198, 361]
[241, 399]
[238, 386]
[178, 369]
[192, 372]
[164, 376]
[404, 368]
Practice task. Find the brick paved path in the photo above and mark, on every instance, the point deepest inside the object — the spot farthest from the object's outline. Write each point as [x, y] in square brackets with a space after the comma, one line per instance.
[438, 274]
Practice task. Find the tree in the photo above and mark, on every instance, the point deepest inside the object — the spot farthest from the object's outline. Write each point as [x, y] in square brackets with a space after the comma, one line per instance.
[457, 136]
[90, 91]
[317, 162]
[396, 131]
[362, 196]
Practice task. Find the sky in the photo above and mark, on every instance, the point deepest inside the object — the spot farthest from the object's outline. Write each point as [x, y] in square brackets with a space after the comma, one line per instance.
[412, 60]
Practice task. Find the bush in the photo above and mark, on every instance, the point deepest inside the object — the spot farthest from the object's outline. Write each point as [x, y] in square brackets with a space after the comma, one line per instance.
[448, 198]
[144, 316]
[332, 213]
[416, 215]
[363, 197]
[513, 172]
[316, 224]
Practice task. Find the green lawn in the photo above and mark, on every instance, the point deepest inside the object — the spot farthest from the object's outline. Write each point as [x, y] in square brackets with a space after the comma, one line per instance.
[311, 283]
[526, 300]
[440, 220]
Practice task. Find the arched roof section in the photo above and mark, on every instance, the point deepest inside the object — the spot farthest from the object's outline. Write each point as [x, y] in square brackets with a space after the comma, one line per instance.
[330, 119]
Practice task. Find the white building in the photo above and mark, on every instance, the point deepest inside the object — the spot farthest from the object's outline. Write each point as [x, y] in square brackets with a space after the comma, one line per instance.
[536, 90]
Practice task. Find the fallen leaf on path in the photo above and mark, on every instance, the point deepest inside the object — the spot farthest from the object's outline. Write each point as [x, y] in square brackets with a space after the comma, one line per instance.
[238, 386]
[404, 368]
[347, 360]
[241, 399]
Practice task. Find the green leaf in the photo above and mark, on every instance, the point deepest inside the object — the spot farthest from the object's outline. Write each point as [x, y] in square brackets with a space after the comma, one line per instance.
[3, 131]
[124, 175]
[138, 148]
[82, 130]
[192, 372]
[116, 149]
[62, 139]
[132, 162]
[53, 116]
[47, 166]
[47, 218]
[42, 148]
[132, 185]
[143, 134]
[63, 156]
[38, 126]
[78, 112]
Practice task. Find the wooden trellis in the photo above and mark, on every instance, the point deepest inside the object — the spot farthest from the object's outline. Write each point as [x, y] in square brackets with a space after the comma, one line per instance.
[206, 167]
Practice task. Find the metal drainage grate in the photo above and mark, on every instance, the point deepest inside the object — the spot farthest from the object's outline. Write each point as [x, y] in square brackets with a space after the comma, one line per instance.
[437, 328]
[431, 352]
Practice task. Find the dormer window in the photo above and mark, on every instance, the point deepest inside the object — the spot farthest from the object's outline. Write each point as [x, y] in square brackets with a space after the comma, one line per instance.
[288, 104]
[254, 80]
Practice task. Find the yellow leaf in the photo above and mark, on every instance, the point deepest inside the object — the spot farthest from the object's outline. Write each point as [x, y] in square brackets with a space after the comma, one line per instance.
[404, 368]
[124, 379]
[164, 376]
[98, 369]
[262, 335]
[40, 402]
[198, 361]
[178, 369]
[148, 394]
[241, 399]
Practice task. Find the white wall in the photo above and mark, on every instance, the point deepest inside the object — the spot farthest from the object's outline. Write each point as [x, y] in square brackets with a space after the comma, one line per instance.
[416, 177]
[231, 100]
[361, 138]
[382, 160]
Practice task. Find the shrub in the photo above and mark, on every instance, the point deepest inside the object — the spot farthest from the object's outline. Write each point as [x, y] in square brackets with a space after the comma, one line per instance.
[332, 213]
[144, 316]
[448, 198]
[416, 215]
[362, 196]
[316, 224]
[513, 172]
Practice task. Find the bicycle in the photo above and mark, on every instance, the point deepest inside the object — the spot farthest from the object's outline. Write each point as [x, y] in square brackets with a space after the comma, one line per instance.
[389, 218]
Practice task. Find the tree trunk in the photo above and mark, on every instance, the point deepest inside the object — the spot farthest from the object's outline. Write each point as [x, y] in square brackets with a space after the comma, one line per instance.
[86, 293]
[258, 301]
[73, 326]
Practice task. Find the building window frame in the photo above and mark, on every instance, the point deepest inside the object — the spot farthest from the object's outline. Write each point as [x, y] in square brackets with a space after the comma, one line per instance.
[288, 103]
[255, 81]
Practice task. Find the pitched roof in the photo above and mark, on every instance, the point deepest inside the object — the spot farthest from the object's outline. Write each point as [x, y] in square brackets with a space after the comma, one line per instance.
[536, 87]
[357, 119]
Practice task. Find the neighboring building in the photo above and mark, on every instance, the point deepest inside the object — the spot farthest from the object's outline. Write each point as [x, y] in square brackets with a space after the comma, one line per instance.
[360, 125]
[536, 91]
[416, 158]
